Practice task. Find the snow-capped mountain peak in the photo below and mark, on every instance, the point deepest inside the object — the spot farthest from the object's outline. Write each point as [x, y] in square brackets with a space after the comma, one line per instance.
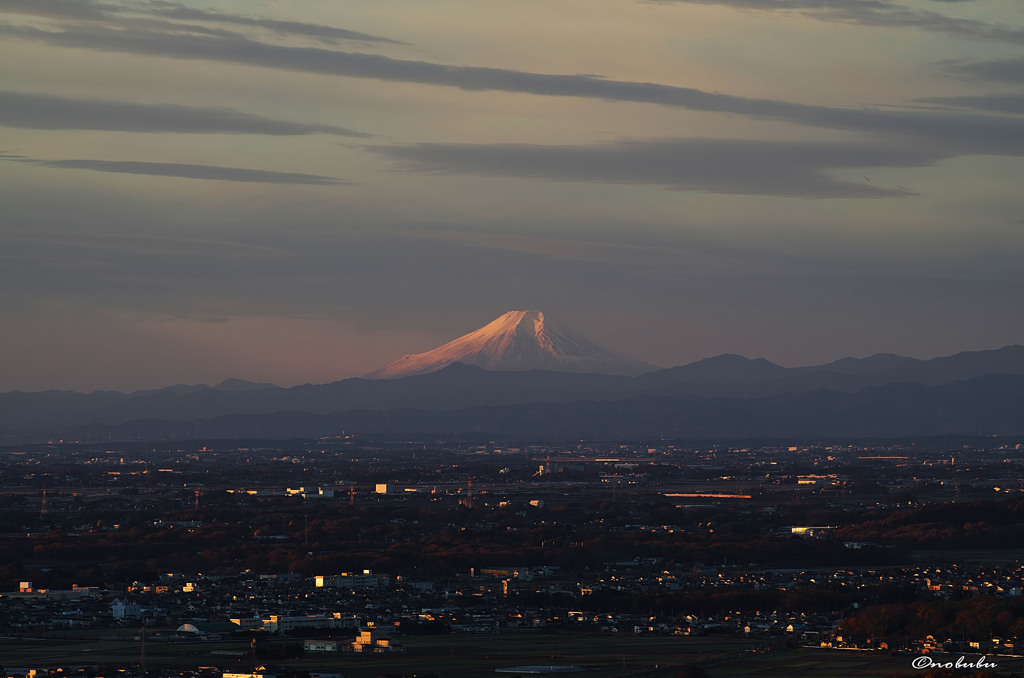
[516, 341]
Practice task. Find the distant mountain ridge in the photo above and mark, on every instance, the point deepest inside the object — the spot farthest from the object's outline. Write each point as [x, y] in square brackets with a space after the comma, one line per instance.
[989, 405]
[233, 385]
[714, 386]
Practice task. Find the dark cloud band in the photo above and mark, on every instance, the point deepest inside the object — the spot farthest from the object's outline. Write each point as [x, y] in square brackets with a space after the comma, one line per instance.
[63, 9]
[46, 111]
[1000, 70]
[733, 166]
[998, 103]
[103, 11]
[173, 10]
[183, 171]
[877, 13]
[963, 133]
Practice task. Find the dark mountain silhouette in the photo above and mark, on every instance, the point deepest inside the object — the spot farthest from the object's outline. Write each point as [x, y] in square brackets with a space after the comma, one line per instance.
[988, 405]
[880, 362]
[710, 393]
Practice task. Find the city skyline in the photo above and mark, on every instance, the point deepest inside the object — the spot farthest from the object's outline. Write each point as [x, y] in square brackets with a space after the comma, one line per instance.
[305, 191]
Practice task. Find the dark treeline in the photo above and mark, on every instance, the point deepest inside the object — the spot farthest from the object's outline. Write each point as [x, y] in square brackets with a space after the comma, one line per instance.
[980, 617]
[99, 543]
[230, 534]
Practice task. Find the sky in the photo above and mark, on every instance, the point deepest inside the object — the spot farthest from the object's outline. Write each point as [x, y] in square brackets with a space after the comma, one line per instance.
[300, 191]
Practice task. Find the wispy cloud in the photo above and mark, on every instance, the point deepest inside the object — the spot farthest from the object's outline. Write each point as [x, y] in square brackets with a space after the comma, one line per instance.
[104, 11]
[736, 166]
[183, 171]
[998, 103]
[879, 13]
[145, 244]
[46, 111]
[1000, 70]
[175, 10]
[61, 9]
[966, 132]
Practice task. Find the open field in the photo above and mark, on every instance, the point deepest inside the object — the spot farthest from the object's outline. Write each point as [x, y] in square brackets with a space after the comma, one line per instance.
[454, 656]
[990, 556]
[814, 663]
[467, 656]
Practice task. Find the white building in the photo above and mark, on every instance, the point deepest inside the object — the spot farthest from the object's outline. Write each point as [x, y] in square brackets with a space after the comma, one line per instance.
[278, 623]
[120, 609]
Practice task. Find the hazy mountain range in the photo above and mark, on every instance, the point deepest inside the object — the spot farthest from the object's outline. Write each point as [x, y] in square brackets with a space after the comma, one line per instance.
[978, 392]
[525, 375]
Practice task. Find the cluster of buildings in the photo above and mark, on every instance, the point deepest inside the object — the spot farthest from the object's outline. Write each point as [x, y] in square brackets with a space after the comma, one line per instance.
[364, 611]
[663, 494]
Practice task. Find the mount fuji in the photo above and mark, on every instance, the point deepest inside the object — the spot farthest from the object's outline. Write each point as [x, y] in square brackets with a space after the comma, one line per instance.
[515, 342]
